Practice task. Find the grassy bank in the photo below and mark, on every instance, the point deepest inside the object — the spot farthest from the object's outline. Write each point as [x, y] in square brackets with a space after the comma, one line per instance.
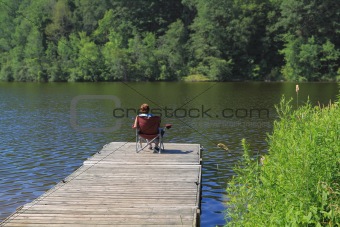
[297, 183]
[195, 78]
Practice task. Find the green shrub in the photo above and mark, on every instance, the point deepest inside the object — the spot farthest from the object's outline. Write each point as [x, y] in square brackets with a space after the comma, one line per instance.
[297, 183]
[195, 78]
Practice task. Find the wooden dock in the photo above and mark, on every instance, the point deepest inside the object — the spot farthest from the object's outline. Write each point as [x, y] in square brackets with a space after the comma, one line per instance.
[119, 187]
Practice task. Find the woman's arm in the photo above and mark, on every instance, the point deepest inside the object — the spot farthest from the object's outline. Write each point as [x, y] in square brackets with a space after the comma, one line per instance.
[136, 123]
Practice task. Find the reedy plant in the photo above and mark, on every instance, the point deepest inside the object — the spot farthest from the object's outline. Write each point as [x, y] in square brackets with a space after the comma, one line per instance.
[297, 183]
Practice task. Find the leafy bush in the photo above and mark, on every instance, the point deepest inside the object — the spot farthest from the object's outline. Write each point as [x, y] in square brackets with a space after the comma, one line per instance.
[297, 183]
[195, 78]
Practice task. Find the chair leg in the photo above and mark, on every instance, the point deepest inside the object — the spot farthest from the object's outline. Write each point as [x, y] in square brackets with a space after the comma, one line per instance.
[161, 147]
[138, 145]
[137, 141]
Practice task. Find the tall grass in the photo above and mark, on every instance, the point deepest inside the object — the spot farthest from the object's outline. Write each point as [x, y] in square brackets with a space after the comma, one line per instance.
[297, 183]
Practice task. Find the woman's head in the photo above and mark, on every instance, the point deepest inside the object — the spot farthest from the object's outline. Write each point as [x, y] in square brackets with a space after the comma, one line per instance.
[144, 108]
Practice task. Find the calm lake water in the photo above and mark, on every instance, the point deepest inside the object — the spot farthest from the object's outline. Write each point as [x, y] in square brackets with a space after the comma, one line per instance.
[48, 130]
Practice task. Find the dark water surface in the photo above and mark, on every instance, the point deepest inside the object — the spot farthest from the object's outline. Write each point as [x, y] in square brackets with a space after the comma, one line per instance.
[48, 130]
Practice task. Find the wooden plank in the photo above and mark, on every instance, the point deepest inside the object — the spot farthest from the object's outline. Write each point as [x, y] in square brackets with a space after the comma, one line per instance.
[119, 187]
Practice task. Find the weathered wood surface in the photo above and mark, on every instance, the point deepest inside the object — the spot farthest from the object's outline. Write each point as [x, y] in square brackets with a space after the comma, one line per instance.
[119, 187]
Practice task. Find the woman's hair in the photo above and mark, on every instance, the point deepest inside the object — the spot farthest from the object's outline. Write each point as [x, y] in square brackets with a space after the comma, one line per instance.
[144, 108]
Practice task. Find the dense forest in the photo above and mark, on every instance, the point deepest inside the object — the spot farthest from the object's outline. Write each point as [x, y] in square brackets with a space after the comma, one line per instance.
[149, 40]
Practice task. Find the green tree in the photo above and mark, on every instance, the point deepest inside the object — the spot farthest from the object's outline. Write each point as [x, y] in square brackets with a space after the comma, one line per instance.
[116, 59]
[108, 23]
[61, 24]
[311, 26]
[68, 51]
[34, 56]
[172, 52]
[329, 61]
[148, 15]
[87, 13]
[206, 40]
[231, 36]
[88, 60]
[8, 10]
[52, 64]
[101, 34]
[143, 57]
[16, 54]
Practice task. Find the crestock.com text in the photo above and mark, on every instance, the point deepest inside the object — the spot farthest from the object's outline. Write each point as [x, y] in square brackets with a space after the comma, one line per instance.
[196, 112]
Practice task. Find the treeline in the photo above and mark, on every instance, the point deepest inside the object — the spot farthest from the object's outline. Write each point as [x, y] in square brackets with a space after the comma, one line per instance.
[148, 40]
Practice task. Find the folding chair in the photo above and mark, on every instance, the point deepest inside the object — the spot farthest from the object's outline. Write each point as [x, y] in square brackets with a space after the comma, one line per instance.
[148, 129]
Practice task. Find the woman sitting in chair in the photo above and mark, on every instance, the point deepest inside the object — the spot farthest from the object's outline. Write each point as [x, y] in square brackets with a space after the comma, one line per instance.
[144, 112]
